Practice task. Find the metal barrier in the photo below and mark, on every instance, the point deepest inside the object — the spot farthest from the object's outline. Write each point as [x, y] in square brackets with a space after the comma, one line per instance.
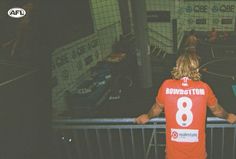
[123, 139]
[160, 41]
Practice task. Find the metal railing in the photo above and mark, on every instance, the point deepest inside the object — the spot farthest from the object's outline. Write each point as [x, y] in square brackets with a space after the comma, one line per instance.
[123, 139]
[160, 47]
[159, 34]
[158, 40]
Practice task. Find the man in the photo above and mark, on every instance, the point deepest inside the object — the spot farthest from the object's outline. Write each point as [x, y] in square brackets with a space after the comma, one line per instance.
[213, 36]
[184, 100]
[191, 42]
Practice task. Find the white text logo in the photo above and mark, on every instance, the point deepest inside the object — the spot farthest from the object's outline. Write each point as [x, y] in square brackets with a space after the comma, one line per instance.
[184, 135]
[16, 12]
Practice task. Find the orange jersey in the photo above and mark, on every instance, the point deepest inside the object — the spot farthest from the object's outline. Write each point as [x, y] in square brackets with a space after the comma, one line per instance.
[185, 102]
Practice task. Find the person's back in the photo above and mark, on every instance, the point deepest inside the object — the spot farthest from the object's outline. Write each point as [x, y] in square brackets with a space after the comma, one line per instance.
[191, 42]
[184, 99]
[185, 104]
[213, 36]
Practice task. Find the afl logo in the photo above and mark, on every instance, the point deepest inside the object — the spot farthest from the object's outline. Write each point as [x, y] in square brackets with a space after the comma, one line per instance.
[16, 12]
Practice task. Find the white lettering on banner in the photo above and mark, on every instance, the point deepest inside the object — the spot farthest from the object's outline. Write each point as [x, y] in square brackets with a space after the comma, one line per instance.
[174, 91]
[227, 8]
[200, 8]
[185, 135]
[206, 8]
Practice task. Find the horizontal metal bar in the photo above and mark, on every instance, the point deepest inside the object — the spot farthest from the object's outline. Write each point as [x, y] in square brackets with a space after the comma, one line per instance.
[226, 125]
[103, 121]
[118, 120]
[147, 126]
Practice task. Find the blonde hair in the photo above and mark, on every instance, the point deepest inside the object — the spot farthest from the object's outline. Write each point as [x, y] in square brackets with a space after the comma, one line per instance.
[191, 41]
[187, 66]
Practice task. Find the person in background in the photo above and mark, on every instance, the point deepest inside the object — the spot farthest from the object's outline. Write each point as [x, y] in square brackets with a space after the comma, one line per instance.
[185, 99]
[213, 36]
[225, 35]
[191, 41]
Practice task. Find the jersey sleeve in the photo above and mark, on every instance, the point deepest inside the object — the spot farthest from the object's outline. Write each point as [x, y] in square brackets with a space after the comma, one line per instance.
[211, 98]
[160, 98]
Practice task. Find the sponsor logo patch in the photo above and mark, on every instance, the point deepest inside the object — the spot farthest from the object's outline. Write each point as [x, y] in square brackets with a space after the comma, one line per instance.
[184, 135]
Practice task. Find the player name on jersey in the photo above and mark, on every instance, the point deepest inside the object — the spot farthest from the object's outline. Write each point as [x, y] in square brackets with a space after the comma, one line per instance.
[196, 91]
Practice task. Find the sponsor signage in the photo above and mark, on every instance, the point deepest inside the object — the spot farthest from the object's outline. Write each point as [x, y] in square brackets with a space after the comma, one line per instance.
[227, 21]
[201, 21]
[185, 135]
[201, 8]
[158, 16]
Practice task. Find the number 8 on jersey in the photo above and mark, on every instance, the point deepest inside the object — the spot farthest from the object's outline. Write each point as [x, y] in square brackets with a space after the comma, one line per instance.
[184, 115]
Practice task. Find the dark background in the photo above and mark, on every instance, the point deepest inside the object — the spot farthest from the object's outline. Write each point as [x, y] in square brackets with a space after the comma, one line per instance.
[26, 103]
